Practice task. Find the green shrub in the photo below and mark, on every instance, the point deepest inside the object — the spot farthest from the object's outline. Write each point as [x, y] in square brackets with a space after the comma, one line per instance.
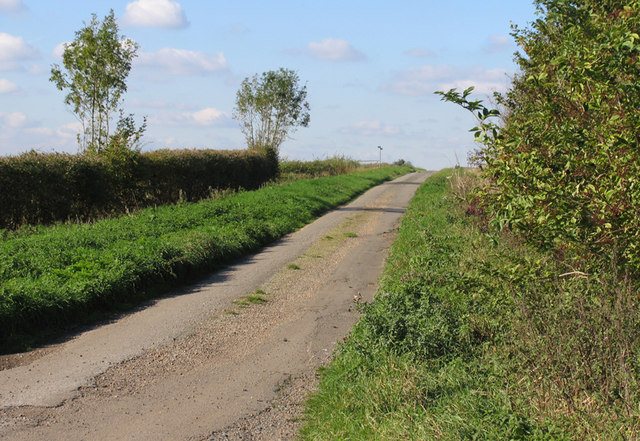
[46, 188]
[563, 170]
[564, 165]
[478, 335]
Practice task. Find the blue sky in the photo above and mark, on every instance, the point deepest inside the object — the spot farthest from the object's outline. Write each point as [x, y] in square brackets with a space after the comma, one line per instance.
[370, 67]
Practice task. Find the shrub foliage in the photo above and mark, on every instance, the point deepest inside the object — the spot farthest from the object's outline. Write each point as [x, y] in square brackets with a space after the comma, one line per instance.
[562, 168]
[565, 164]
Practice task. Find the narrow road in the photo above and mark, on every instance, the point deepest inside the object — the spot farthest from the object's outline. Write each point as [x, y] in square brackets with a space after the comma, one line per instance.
[230, 358]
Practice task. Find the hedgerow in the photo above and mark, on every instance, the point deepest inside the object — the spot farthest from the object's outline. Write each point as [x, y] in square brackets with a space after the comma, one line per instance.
[319, 167]
[45, 188]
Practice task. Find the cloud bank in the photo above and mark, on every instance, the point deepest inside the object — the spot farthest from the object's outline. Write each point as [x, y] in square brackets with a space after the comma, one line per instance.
[425, 80]
[370, 128]
[207, 117]
[334, 49]
[7, 86]
[183, 62]
[12, 6]
[13, 50]
[164, 14]
[497, 43]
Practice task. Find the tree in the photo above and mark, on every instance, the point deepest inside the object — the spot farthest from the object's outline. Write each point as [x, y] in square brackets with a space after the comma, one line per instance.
[96, 66]
[270, 107]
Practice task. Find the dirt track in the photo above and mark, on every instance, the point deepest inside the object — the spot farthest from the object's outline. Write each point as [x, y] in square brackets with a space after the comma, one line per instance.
[203, 364]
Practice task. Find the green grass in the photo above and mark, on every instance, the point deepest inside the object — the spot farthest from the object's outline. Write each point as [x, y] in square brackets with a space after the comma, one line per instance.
[474, 335]
[254, 299]
[419, 363]
[293, 266]
[51, 277]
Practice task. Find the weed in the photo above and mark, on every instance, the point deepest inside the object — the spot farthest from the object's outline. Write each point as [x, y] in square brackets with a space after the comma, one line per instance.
[293, 266]
[351, 235]
[250, 300]
[256, 300]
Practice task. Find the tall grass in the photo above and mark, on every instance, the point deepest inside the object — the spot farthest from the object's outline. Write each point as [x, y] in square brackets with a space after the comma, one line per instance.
[53, 276]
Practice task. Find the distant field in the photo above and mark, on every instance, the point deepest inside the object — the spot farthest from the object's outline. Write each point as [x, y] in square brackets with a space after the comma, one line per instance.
[54, 276]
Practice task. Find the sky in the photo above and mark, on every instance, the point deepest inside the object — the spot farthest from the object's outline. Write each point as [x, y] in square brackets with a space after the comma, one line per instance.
[370, 68]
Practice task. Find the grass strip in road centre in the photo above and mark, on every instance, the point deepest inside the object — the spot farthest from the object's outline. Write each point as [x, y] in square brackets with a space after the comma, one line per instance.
[59, 275]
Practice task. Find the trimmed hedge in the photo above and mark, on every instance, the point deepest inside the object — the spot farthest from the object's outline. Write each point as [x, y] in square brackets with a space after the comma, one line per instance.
[38, 188]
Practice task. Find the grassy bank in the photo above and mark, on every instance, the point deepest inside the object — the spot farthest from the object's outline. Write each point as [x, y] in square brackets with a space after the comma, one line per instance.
[472, 335]
[54, 276]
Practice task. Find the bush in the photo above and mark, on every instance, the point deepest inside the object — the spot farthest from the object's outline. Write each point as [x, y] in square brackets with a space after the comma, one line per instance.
[564, 166]
[45, 188]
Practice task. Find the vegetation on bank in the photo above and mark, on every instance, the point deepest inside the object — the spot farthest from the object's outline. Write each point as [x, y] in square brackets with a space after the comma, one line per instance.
[514, 313]
[53, 276]
[475, 334]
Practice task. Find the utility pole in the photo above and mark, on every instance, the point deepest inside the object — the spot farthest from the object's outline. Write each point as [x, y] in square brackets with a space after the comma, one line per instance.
[380, 160]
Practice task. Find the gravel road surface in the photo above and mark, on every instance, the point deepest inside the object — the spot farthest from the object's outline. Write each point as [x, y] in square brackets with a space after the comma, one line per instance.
[210, 362]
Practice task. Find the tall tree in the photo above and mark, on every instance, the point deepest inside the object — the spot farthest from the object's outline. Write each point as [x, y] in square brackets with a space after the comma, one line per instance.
[270, 107]
[95, 68]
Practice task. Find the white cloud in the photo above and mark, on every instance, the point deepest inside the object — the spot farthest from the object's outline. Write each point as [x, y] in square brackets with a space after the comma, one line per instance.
[12, 6]
[58, 51]
[484, 81]
[371, 128]
[183, 62]
[334, 49]
[14, 49]
[7, 86]
[425, 80]
[13, 120]
[208, 117]
[70, 130]
[155, 13]
[420, 53]
[497, 43]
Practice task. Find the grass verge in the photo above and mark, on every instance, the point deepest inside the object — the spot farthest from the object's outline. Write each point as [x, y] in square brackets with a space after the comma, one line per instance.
[55, 276]
[473, 335]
